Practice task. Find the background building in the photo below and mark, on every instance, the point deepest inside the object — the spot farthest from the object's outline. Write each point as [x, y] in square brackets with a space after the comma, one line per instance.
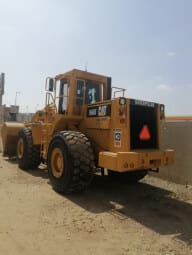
[10, 113]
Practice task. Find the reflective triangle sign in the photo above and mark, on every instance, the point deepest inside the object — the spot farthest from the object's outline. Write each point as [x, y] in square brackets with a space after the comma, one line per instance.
[145, 133]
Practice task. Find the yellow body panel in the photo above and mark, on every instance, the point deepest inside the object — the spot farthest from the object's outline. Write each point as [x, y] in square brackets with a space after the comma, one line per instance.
[129, 161]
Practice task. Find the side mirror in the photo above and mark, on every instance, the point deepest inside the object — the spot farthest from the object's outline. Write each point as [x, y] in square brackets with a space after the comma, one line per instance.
[51, 84]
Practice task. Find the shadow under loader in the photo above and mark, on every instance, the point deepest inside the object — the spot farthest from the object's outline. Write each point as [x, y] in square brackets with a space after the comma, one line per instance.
[151, 206]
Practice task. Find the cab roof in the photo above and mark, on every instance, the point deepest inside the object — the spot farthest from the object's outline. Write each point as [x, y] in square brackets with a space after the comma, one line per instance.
[79, 74]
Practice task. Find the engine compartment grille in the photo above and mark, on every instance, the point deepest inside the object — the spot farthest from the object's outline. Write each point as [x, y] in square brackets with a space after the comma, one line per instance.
[143, 118]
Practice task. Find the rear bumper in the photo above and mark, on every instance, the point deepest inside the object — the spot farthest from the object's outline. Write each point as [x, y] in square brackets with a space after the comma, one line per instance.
[128, 161]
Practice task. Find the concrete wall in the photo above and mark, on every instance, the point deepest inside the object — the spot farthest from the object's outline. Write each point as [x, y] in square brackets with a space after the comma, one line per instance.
[22, 117]
[8, 113]
[11, 113]
[178, 135]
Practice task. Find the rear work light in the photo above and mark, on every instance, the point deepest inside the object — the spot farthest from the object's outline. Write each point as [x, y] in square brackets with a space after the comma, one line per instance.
[162, 111]
[122, 100]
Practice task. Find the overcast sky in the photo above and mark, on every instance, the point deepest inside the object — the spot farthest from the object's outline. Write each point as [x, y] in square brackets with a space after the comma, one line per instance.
[145, 45]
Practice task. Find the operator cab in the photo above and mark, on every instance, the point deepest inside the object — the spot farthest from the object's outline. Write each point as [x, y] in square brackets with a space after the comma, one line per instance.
[71, 91]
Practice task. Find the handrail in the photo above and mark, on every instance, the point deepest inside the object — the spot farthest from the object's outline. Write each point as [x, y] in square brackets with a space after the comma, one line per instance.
[47, 100]
[118, 90]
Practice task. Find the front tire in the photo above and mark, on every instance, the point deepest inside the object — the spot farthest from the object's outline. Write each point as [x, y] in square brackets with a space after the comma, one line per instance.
[70, 162]
[28, 155]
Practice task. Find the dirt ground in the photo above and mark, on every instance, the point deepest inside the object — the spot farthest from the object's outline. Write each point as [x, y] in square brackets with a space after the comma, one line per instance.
[152, 217]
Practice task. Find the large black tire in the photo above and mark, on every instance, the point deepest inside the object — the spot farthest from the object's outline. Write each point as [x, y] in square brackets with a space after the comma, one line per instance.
[128, 177]
[28, 155]
[70, 162]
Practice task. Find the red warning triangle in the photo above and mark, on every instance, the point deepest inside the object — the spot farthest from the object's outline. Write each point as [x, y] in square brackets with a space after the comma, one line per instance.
[145, 133]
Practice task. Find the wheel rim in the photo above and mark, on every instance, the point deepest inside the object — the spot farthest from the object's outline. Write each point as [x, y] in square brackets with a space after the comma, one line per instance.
[20, 148]
[57, 162]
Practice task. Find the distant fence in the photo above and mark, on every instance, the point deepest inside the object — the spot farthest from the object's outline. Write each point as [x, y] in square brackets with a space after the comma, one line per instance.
[180, 118]
[22, 117]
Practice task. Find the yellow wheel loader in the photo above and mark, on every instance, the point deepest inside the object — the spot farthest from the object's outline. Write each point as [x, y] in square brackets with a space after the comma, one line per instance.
[88, 125]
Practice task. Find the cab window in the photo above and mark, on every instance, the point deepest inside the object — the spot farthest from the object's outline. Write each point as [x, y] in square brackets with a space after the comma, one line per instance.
[91, 92]
[63, 96]
[80, 92]
[87, 92]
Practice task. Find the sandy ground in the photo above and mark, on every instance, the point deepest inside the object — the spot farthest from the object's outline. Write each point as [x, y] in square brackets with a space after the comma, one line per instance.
[152, 217]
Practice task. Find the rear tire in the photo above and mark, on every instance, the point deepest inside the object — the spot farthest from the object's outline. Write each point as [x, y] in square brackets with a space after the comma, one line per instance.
[128, 177]
[28, 155]
[70, 162]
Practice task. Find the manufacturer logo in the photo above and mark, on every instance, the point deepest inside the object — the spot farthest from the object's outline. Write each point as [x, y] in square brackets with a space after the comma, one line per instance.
[99, 111]
[143, 103]
[117, 137]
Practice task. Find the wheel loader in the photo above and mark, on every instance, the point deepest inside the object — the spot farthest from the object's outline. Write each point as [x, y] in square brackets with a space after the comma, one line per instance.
[86, 126]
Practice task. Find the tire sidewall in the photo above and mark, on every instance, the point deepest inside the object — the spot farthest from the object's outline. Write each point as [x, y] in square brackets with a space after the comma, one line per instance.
[23, 161]
[63, 181]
